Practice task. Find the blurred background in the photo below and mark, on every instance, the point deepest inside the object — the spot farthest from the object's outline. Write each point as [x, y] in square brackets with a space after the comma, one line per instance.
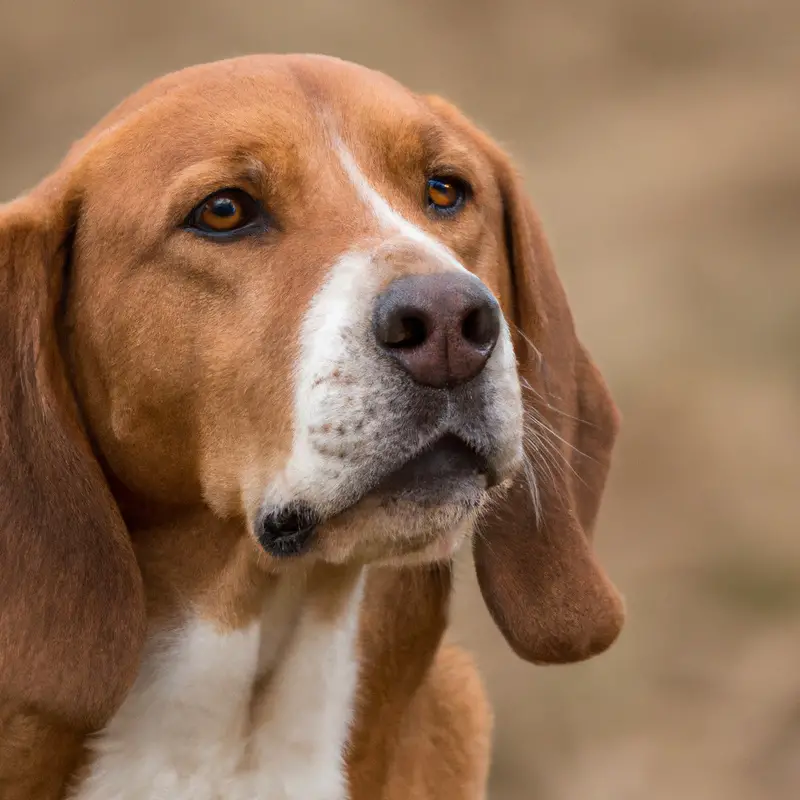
[661, 143]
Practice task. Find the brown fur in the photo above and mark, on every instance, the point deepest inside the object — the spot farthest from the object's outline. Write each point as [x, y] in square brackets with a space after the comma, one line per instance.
[38, 753]
[444, 739]
[548, 566]
[139, 381]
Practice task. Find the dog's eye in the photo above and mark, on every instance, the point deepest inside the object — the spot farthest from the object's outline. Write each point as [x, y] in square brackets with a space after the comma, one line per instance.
[226, 211]
[445, 195]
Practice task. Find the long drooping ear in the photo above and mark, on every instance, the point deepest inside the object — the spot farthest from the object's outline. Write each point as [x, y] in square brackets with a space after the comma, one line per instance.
[539, 577]
[71, 595]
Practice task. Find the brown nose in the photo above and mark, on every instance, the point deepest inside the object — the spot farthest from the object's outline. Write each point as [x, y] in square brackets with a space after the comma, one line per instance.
[440, 328]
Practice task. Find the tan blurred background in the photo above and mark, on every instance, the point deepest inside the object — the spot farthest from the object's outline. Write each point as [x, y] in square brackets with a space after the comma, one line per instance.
[661, 142]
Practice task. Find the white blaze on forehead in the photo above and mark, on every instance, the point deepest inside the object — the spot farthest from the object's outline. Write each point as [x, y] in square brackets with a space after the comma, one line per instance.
[341, 403]
[389, 219]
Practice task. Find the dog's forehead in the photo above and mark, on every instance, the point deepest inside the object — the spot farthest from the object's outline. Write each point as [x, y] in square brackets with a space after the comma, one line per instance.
[286, 77]
[276, 102]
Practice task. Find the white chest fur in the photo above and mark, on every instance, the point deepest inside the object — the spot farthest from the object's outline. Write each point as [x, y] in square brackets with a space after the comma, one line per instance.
[195, 727]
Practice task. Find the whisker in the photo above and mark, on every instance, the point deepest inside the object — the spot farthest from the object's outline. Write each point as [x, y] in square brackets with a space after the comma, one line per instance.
[539, 447]
[544, 424]
[477, 529]
[530, 344]
[550, 457]
[551, 447]
[527, 385]
[533, 488]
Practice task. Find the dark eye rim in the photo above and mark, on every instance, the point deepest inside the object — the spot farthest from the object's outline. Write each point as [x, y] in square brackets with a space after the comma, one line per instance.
[464, 193]
[254, 216]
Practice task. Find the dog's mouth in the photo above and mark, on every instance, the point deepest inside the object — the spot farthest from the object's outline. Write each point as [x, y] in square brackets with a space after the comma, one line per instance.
[444, 472]
[448, 472]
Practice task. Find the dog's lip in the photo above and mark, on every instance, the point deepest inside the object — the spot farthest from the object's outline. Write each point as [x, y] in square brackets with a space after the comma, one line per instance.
[447, 470]
[448, 458]
[404, 481]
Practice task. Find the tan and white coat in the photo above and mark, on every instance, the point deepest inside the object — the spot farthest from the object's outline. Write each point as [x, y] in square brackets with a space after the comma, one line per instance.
[157, 391]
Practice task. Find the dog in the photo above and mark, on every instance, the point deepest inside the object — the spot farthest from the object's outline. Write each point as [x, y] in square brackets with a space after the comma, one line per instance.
[275, 339]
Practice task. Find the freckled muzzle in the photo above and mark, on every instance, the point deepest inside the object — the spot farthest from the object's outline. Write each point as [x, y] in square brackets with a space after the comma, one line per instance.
[408, 413]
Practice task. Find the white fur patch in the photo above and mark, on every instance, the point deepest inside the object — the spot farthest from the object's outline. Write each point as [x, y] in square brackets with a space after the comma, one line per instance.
[389, 220]
[345, 410]
[335, 330]
[191, 730]
[334, 327]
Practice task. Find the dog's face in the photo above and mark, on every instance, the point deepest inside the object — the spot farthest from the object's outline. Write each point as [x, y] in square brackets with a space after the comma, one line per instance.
[292, 294]
[282, 301]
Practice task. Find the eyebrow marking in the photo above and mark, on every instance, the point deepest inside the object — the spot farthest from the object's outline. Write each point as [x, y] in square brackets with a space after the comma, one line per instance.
[387, 217]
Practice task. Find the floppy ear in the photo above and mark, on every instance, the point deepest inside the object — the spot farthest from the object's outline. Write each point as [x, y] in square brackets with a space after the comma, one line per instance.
[71, 595]
[533, 556]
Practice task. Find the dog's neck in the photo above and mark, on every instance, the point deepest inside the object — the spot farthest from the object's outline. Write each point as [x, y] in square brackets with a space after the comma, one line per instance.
[247, 685]
[195, 564]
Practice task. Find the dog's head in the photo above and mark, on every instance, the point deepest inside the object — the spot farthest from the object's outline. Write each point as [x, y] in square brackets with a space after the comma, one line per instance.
[293, 292]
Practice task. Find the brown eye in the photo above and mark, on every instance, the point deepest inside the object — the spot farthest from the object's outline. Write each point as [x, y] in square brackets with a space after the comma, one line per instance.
[445, 195]
[226, 211]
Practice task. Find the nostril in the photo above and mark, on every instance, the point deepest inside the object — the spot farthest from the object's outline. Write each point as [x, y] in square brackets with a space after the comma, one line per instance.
[441, 329]
[479, 327]
[406, 332]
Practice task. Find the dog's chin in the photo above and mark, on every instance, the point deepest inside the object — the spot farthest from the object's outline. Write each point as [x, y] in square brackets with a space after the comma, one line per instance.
[417, 513]
[398, 532]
